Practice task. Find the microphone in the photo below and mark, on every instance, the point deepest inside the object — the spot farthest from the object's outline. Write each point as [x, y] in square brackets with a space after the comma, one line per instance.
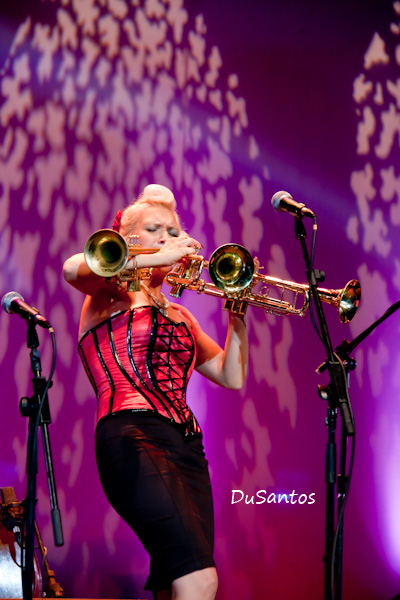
[12, 302]
[283, 202]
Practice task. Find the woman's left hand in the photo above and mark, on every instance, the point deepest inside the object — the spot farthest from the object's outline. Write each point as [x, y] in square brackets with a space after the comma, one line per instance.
[170, 252]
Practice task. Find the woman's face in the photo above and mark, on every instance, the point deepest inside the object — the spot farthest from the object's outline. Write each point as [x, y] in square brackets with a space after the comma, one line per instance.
[156, 225]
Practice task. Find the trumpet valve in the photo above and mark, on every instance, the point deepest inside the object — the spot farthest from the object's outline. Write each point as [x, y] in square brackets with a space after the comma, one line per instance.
[237, 306]
[133, 241]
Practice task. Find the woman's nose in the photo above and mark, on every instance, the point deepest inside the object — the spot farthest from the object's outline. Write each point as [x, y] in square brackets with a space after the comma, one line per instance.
[163, 237]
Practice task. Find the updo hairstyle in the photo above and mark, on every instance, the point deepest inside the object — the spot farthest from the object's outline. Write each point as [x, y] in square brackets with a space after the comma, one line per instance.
[153, 195]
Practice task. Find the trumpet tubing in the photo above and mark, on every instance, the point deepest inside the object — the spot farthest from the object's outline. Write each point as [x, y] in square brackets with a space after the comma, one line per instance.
[346, 300]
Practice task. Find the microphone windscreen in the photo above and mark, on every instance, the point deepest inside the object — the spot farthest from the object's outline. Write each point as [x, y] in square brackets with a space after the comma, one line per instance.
[277, 198]
[8, 299]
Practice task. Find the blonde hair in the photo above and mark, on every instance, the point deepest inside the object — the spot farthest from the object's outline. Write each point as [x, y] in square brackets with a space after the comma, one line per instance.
[152, 195]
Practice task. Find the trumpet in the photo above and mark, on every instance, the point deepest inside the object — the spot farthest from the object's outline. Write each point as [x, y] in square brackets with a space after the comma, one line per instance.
[234, 274]
[107, 253]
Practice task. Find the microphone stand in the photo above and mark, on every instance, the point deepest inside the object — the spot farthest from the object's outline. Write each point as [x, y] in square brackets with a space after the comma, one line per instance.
[343, 351]
[337, 398]
[29, 407]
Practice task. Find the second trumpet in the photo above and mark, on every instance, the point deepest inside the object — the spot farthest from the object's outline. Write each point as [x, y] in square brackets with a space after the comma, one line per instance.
[234, 274]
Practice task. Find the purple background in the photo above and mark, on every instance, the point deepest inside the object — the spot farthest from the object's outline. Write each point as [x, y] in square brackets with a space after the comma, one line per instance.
[226, 109]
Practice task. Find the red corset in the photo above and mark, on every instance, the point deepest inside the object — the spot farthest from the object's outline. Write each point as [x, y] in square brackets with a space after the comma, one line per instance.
[141, 360]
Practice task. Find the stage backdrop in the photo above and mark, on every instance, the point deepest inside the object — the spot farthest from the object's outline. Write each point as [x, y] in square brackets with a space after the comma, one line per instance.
[226, 103]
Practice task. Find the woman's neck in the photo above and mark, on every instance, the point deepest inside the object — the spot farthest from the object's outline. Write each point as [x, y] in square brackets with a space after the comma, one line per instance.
[156, 296]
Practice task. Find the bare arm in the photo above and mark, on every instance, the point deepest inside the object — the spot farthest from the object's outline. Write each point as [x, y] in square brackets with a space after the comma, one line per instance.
[77, 273]
[226, 367]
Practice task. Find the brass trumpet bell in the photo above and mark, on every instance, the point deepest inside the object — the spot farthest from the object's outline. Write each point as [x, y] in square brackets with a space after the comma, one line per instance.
[106, 253]
[231, 268]
[349, 301]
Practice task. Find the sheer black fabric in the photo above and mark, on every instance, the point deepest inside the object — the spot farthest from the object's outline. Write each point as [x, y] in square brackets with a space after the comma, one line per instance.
[157, 479]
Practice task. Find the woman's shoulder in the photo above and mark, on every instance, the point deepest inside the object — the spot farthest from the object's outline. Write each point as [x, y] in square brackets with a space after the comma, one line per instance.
[181, 314]
[99, 308]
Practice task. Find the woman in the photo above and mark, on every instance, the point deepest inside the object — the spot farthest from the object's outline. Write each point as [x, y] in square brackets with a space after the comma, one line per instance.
[139, 351]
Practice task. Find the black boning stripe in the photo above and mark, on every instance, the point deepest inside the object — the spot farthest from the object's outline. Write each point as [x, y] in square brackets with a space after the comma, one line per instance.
[118, 361]
[107, 372]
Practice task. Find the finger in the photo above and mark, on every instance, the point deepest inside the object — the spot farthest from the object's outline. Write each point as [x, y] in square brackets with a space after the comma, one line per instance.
[196, 244]
[192, 242]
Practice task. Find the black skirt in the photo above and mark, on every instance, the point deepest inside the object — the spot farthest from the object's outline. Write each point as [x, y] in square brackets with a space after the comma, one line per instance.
[157, 479]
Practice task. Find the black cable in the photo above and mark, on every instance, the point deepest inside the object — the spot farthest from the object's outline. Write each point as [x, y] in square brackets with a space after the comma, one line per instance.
[312, 253]
[49, 381]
